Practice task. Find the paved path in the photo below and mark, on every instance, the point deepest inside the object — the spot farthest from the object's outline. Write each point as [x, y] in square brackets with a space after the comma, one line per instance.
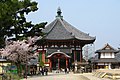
[63, 76]
[59, 76]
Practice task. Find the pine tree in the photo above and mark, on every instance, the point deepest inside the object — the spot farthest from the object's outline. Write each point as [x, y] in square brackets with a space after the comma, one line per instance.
[13, 21]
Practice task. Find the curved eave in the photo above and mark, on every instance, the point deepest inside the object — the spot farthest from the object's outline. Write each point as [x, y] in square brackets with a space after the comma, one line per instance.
[105, 51]
[43, 40]
[71, 37]
[59, 39]
[49, 56]
[113, 60]
[87, 41]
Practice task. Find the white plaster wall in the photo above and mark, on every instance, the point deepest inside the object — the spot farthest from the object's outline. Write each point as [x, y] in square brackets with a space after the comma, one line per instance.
[102, 56]
[113, 55]
[107, 55]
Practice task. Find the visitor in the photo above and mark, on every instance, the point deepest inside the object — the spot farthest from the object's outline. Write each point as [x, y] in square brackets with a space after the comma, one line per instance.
[65, 70]
[42, 71]
[31, 70]
[46, 71]
[57, 71]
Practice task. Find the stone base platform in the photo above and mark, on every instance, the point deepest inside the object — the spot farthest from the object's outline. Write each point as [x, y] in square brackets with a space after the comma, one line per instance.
[113, 74]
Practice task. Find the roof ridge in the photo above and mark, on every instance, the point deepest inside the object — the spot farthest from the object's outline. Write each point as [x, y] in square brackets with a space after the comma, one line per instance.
[111, 47]
[52, 27]
[63, 24]
[108, 46]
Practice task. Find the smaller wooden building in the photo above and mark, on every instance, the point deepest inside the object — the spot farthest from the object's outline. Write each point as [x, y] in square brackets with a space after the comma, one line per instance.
[106, 58]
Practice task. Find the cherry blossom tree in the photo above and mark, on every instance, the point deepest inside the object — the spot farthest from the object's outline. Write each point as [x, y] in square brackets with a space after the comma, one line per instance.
[20, 52]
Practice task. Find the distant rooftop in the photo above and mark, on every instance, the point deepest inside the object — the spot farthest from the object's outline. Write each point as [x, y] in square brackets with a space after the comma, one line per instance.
[107, 49]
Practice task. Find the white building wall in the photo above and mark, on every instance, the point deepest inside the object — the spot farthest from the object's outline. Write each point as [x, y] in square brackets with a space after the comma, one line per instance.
[109, 66]
[107, 55]
[113, 55]
[102, 55]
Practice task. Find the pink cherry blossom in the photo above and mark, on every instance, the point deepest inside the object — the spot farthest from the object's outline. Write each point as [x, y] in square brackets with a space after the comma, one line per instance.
[20, 51]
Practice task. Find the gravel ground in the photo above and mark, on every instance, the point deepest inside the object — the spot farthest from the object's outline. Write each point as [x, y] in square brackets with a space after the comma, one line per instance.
[63, 76]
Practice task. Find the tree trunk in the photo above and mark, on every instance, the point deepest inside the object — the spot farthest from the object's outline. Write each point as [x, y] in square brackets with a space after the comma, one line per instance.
[19, 69]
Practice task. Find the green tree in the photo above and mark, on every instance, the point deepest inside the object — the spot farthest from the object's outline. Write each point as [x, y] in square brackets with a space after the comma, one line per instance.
[13, 21]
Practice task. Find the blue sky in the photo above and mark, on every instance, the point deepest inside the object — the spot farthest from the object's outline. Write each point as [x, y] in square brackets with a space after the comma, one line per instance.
[100, 18]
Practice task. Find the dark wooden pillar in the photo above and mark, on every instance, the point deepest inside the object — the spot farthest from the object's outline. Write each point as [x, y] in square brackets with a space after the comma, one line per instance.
[74, 50]
[74, 55]
[50, 61]
[66, 62]
[58, 63]
[81, 54]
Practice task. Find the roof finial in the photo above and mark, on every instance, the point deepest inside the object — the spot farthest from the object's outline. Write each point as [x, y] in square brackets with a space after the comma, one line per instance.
[59, 13]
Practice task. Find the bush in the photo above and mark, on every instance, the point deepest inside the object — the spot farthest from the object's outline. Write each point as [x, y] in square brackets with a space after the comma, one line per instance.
[9, 76]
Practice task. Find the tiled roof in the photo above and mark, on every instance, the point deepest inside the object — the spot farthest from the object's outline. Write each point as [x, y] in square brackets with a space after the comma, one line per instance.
[59, 29]
[107, 49]
[117, 56]
[113, 60]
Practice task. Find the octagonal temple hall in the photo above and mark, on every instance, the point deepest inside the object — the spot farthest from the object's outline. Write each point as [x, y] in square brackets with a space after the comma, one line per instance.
[62, 44]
